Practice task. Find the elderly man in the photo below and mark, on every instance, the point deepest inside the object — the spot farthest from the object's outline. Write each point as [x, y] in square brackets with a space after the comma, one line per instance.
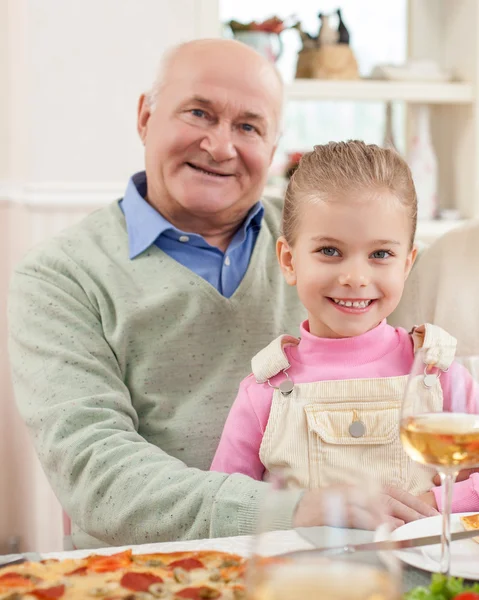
[131, 331]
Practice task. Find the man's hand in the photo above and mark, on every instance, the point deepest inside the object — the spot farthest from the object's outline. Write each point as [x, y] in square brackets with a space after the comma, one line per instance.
[462, 475]
[429, 498]
[340, 507]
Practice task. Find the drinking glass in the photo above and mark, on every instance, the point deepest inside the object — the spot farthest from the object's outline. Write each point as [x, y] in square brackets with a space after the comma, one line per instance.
[344, 514]
[442, 432]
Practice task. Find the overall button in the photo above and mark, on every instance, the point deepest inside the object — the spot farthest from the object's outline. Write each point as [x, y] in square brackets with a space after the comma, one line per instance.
[357, 429]
[286, 387]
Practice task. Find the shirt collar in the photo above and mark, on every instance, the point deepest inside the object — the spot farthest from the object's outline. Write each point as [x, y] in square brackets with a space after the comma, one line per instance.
[144, 224]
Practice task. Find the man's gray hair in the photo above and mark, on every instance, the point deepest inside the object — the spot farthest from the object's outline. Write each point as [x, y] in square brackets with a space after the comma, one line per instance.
[165, 61]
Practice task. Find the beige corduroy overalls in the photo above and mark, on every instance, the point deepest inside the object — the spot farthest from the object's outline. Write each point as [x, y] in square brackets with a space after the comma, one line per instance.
[323, 430]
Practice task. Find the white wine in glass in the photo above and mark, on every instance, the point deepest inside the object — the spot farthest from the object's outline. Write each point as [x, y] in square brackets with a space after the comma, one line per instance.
[443, 435]
[442, 439]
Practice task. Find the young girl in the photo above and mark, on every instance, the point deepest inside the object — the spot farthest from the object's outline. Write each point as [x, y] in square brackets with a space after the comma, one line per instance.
[330, 401]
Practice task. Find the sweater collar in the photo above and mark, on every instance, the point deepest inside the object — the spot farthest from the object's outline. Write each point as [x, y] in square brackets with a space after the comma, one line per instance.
[361, 349]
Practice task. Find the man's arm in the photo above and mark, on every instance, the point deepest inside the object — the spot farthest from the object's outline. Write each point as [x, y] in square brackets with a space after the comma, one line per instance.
[70, 391]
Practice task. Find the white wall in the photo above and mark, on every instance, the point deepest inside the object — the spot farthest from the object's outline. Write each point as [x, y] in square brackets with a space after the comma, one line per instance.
[86, 62]
[3, 90]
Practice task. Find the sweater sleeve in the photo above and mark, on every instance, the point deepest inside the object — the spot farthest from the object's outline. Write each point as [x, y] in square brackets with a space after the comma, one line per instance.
[238, 450]
[73, 396]
[465, 496]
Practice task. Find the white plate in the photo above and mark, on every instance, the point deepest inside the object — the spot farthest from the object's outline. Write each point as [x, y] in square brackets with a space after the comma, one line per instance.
[464, 553]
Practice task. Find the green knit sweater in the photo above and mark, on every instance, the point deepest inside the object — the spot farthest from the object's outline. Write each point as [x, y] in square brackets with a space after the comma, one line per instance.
[125, 370]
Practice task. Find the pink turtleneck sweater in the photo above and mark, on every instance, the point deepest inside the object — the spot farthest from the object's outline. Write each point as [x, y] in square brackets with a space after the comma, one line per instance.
[381, 352]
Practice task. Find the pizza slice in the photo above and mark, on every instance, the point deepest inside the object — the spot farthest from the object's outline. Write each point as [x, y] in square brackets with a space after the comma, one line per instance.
[470, 523]
[201, 575]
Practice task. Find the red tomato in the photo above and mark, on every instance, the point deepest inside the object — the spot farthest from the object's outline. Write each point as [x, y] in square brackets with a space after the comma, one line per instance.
[103, 564]
[49, 593]
[467, 596]
[139, 582]
[188, 564]
[13, 580]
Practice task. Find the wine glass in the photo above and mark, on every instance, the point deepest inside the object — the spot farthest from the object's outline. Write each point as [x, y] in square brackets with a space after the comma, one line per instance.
[344, 514]
[439, 427]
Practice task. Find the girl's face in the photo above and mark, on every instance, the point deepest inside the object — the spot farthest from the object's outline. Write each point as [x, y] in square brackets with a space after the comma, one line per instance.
[350, 260]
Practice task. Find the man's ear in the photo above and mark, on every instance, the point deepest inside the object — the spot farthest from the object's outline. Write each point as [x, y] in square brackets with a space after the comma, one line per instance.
[286, 260]
[144, 114]
[273, 152]
[410, 260]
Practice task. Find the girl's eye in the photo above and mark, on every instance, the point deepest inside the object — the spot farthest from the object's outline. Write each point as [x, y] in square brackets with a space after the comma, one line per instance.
[381, 254]
[329, 251]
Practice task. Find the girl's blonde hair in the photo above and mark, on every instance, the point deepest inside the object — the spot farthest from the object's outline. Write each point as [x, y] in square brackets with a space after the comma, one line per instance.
[340, 167]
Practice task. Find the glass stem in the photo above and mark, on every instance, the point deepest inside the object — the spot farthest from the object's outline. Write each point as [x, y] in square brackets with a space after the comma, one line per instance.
[448, 479]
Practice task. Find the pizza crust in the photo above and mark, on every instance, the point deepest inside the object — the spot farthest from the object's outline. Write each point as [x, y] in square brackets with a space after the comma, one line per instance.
[470, 523]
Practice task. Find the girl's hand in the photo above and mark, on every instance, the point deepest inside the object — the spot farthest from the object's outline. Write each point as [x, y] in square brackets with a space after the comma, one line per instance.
[462, 475]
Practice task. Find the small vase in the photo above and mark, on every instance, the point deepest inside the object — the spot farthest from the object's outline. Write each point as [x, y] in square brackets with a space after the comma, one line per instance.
[423, 164]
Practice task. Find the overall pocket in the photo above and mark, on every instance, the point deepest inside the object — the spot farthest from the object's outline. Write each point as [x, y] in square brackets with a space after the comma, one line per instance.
[334, 452]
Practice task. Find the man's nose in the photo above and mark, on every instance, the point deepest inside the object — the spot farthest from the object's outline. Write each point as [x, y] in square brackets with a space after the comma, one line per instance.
[218, 142]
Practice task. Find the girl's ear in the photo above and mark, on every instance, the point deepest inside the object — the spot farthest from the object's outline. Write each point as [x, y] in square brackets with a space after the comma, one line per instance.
[286, 260]
[410, 260]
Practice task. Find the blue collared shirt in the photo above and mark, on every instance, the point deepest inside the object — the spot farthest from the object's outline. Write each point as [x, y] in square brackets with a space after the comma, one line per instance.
[146, 226]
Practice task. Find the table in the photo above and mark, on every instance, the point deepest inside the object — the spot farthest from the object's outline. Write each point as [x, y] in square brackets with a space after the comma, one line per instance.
[276, 542]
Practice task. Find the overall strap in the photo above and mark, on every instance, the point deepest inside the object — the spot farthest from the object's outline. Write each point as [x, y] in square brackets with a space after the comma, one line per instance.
[439, 346]
[272, 360]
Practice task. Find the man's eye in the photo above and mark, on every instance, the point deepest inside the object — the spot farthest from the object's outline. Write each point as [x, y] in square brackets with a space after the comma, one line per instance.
[381, 254]
[329, 251]
[248, 128]
[197, 112]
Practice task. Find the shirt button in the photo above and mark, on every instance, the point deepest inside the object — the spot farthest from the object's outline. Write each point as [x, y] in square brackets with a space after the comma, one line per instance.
[227, 261]
[184, 238]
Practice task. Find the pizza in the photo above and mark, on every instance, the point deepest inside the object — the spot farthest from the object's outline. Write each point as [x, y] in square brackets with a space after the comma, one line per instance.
[200, 575]
[470, 523]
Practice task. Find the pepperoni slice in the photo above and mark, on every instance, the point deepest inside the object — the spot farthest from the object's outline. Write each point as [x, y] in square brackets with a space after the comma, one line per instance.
[139, 582]
[49, 593]
[188, 564]
[79, 571]
[199, 593]
[103, 564]
[14, 580]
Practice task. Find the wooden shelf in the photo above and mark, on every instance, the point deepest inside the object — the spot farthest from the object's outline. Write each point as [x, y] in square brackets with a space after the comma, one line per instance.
[428, 231]
[369, 90]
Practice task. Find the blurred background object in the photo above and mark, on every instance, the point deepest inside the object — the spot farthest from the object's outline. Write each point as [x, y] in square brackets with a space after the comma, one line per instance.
[264, 36]
[328, 55]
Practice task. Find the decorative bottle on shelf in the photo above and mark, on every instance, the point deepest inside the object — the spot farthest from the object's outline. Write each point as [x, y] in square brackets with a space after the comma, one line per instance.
[423, 164]
[388, 140]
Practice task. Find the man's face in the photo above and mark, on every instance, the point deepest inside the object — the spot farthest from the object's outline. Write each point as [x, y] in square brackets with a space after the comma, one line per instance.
[210, 140]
